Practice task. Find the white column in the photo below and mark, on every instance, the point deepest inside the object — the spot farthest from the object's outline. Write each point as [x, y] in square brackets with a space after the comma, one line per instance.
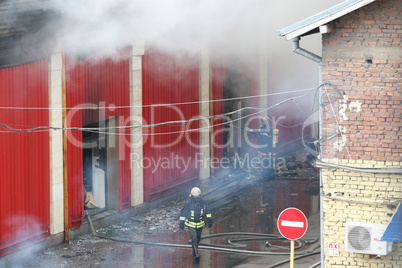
[263, 70]
[205, 67]
[56, 143]
[137, 173]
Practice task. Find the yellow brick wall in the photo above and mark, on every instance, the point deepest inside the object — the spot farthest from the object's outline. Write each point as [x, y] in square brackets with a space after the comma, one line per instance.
[360, 197]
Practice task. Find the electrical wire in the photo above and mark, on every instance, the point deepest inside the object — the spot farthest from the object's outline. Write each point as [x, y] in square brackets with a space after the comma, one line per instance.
[156, 105]
[15, 130]
[385, 203]
[262, 109]
[337, 123]
[378, 170]
[184, 131]
[99, 130]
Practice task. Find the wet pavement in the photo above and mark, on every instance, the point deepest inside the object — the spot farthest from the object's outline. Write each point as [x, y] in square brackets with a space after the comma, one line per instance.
[240, 227]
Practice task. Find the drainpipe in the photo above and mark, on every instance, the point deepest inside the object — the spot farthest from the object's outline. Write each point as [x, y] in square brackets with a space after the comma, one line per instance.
[301, 51]
[320, 156]
[307, 54]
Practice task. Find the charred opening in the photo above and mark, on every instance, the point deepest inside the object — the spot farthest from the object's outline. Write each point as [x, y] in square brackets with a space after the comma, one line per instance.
[100, 169]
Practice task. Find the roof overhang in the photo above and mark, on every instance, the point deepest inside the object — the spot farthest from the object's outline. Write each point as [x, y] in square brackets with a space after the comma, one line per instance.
[313, 23]
[393, 233]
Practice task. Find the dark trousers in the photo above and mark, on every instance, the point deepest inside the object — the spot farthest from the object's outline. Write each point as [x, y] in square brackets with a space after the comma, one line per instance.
[195, 235]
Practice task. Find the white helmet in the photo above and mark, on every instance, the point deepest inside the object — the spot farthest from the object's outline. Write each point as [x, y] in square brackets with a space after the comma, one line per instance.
[196, 192]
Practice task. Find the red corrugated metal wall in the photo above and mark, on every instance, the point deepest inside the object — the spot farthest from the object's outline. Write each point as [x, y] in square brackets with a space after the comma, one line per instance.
[74, 100]
[168, 80]
[105, 85]
[24, 157]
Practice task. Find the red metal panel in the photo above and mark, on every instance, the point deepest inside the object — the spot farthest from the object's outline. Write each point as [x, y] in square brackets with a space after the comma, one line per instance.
[24, 157]
[105, 86]
[108, 87]
[124, 167]
[75, 78]
[169, 80]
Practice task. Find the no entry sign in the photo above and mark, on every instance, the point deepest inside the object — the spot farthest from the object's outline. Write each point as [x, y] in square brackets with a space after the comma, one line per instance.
[292, 223]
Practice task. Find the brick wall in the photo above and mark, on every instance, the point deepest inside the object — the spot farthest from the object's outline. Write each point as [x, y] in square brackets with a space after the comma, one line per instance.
[359, 197]
[362, 60]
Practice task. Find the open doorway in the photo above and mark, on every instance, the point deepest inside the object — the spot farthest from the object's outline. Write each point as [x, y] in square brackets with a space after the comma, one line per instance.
[100, 167]
[235, 88]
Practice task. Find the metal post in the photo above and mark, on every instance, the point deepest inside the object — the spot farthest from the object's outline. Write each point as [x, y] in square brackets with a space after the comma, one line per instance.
[292, 253]
[320, 157]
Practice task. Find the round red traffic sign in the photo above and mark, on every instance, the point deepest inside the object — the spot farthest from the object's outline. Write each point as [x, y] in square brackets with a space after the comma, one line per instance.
[292, 223]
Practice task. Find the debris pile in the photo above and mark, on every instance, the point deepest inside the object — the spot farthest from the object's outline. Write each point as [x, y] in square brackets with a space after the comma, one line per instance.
[164, 219]
[298, 165]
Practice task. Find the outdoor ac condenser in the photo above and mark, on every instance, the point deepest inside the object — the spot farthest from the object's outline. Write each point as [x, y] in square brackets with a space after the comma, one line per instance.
[365, 238]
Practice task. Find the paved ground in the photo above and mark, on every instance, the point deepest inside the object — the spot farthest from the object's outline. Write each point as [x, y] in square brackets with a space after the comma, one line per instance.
[252, 209]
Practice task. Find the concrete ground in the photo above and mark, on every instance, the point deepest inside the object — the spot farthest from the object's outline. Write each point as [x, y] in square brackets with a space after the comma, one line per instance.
[239, 234]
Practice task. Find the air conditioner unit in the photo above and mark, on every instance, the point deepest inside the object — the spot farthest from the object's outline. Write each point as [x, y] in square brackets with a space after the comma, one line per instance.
[365, 238]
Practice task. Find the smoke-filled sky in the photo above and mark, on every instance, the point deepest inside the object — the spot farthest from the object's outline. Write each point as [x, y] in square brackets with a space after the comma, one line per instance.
[233, 27]
[236, 26]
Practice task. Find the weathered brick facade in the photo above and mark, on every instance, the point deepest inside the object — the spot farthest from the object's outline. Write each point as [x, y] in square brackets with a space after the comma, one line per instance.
[362, 59]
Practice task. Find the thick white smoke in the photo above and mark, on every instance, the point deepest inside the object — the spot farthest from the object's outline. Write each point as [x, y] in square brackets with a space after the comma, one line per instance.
[233, 28]
[237, 30]
[104, 25]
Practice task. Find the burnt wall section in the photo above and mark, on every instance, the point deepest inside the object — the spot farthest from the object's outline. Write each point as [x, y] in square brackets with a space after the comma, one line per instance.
[104, 87]
[361, 57]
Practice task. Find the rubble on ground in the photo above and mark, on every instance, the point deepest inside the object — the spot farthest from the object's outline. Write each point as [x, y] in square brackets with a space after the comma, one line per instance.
[158, 220]
[297, 165]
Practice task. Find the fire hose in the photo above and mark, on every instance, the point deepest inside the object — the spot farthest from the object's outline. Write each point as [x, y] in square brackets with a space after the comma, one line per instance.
[213, 247]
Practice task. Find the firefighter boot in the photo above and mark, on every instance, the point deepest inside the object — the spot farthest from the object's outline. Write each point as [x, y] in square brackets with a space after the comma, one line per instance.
[196, 255]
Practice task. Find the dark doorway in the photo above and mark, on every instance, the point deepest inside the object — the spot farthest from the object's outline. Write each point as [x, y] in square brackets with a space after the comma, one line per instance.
[235, 86]
[100, 167]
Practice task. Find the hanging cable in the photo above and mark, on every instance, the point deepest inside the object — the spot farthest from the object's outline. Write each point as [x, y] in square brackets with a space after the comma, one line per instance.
[15, 130]
[182, 131]
[337, 123]
[378, 170]
[384, 203]
[159, 104]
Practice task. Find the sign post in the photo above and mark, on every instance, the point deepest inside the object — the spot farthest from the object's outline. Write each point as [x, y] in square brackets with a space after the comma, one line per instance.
[292, 224]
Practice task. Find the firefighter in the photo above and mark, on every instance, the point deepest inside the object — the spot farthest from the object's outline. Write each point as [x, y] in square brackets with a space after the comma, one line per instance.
[266, 141]
[264, 136]
[195, 215]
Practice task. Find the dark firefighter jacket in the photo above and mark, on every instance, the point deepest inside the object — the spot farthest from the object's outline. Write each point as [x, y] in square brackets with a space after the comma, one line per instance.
[264, 139]
[195, 213]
